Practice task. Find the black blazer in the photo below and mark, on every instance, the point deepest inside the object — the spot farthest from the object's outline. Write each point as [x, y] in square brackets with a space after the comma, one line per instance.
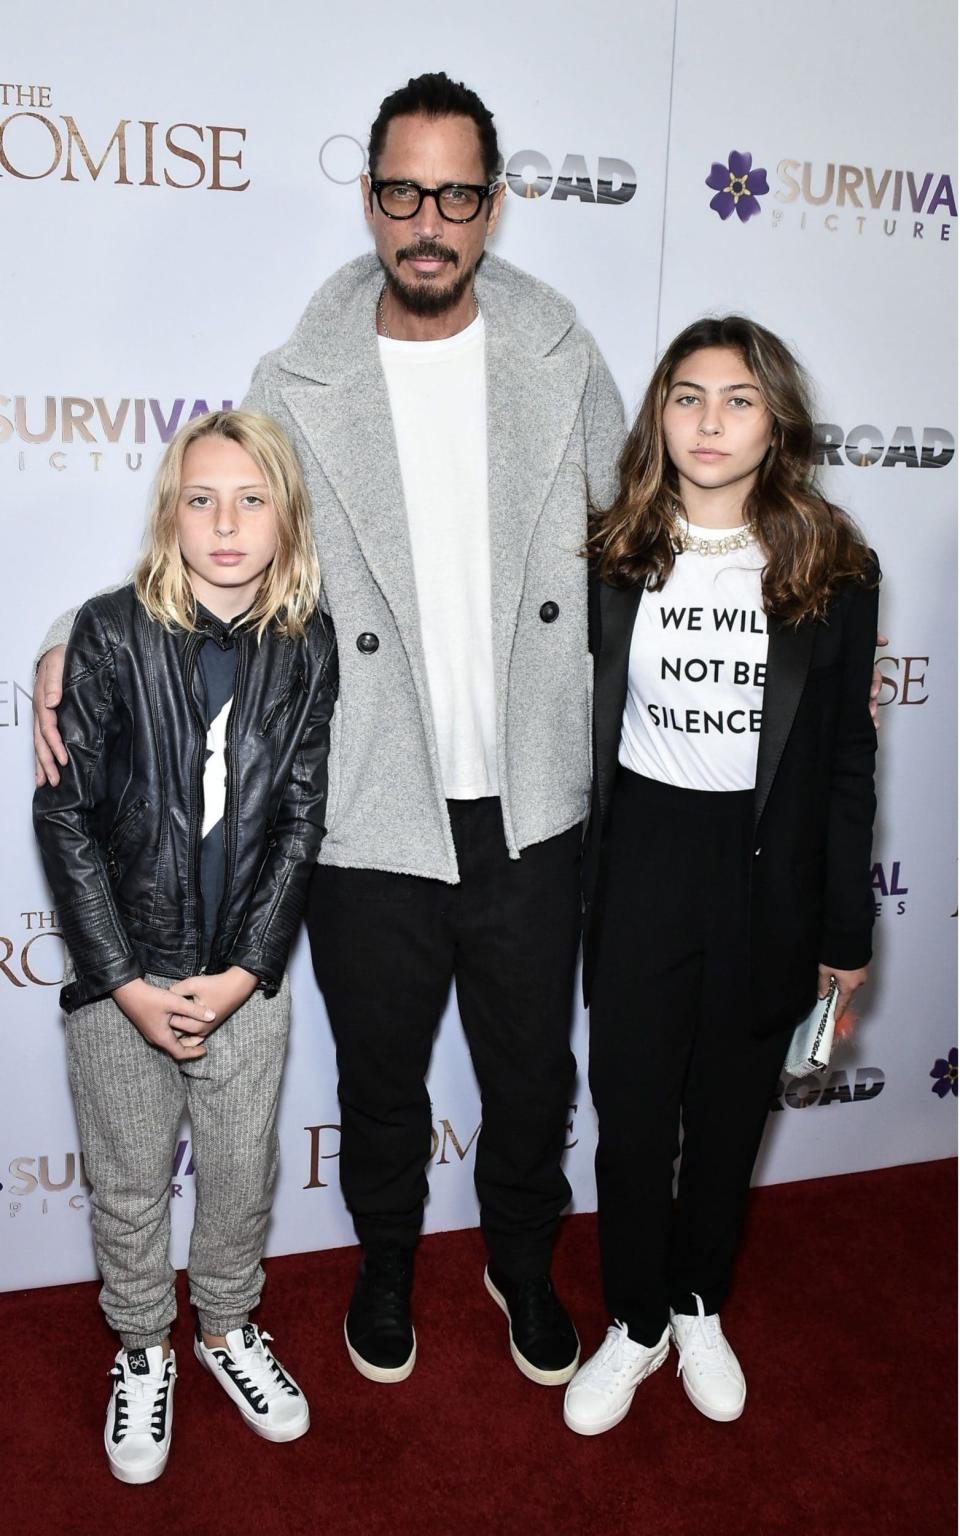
[811, 898]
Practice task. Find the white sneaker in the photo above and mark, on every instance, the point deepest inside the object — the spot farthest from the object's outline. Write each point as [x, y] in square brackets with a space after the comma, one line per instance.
[267, 1396]
[712, 1378]
[600, 1394]
[140, 1414]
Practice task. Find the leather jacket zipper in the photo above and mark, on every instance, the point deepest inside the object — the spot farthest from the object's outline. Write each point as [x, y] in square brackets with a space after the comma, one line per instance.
[192, 652]
[231, 804]
[117, 834]
[281, 707]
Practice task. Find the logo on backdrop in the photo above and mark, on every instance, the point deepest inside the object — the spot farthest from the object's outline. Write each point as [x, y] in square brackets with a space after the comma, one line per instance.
[37, 143]
[840, 1087]
[895, 204]
[343, 159]
[529, 173]
[890, 888]
[448, 1146]
[944, 1073]
[182, 1168]
[34, 955]
[41, 1177]
[86, 431]
[866, 445]
[903, 679]
[16, 704]
[737, 186]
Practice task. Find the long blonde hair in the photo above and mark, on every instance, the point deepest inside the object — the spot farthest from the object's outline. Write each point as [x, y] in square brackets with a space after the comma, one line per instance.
[812, 547]
[291, 583]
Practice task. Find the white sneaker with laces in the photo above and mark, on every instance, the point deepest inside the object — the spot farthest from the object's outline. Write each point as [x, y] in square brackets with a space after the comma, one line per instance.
[140, 1414]
[600, 1394]
[267, 1395]
[712, 1378]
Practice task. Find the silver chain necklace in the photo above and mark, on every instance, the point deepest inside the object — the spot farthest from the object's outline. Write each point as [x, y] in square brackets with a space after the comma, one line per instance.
[382, 324]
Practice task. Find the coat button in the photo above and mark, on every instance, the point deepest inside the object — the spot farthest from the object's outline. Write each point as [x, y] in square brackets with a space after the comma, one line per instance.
[549, 612]
[367, 643]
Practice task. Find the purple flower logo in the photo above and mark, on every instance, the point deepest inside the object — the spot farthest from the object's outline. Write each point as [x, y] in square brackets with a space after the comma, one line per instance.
[737, 186]
[945, 1073]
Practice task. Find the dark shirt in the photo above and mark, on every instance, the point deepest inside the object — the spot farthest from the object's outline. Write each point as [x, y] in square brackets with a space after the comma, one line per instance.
[217, 665]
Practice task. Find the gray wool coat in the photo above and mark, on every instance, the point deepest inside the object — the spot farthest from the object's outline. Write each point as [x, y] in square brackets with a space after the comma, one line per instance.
[555, 429]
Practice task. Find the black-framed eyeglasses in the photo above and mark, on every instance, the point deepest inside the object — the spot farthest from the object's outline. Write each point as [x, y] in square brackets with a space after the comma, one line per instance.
[458, 201]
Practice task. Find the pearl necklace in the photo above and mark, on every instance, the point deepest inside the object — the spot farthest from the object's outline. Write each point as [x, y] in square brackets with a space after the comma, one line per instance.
[739, 538]
[382, 324]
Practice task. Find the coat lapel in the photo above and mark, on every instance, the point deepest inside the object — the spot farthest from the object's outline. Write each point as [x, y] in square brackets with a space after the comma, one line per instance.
[618, 612]
[788, 661]
[350, 430]
[532, 406]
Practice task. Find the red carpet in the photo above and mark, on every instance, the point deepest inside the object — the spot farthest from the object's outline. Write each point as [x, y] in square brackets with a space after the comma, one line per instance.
[850, 1424]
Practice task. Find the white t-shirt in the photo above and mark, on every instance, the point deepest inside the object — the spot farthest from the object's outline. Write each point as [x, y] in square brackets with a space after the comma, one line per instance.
[438, 400]
[696, 672]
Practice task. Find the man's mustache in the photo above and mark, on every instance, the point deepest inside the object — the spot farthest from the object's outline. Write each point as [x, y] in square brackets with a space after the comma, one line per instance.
[427, 250]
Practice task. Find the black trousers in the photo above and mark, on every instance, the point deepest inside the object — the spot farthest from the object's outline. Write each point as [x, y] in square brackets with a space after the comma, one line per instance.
[671, 1043]
[385, 948]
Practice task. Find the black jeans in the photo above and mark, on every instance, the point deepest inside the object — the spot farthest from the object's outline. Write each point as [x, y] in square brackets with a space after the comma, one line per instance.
[671, 1041]
[385, 949]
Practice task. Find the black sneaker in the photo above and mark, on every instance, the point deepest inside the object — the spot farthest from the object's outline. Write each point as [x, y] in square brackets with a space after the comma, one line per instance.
[380, 1338]
[543, 1341]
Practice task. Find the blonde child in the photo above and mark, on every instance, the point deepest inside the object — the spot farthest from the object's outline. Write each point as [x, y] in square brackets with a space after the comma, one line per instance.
[178, 844]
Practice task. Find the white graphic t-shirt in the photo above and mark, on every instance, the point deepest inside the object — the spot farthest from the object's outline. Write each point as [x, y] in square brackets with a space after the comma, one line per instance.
[697, 665]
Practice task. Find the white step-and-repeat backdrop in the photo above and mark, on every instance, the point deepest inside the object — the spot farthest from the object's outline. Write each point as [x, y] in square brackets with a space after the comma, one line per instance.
[175, 182]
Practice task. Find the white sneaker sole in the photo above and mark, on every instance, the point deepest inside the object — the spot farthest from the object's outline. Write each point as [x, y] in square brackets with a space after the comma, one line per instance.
[600, 1426]
[718, 1415]
[144, 1474]
[381, 1373]
[524, 1366]
[147, 1472]
[278, 1434]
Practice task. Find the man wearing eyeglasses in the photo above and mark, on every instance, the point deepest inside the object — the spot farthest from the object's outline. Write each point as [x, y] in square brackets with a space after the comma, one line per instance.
[453, 422]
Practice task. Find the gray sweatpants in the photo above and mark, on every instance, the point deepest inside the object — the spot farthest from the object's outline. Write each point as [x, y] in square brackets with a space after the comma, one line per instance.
[130, 1099]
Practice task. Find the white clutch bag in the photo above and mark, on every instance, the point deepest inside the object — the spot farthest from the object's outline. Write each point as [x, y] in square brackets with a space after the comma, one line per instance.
[812, 1040]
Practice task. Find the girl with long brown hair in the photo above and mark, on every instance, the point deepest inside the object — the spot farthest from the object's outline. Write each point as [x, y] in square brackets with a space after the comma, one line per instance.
[727, 865]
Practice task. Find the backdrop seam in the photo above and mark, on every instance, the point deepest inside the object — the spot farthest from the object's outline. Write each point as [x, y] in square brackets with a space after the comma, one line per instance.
[666, 182]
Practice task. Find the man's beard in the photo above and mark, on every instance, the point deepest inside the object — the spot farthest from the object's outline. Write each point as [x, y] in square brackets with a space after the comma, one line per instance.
[424, 297]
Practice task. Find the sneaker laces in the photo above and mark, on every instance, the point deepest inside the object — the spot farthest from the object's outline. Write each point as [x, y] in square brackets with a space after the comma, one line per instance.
[704, 1342]
[537, 1308]
[388, 1276]
[390, 1269]
[255, 1371]
[140, 1401]
[611, 1356]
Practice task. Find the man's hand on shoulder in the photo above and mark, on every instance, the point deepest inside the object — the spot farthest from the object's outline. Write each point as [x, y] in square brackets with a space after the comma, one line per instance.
[48, 747]
[875, 685]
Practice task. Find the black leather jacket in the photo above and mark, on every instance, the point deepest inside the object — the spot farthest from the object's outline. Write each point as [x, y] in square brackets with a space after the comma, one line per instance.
[120, 834]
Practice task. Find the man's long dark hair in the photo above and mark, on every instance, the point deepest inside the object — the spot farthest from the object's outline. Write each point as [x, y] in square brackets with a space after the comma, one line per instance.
[436, 96]
[812, 547]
